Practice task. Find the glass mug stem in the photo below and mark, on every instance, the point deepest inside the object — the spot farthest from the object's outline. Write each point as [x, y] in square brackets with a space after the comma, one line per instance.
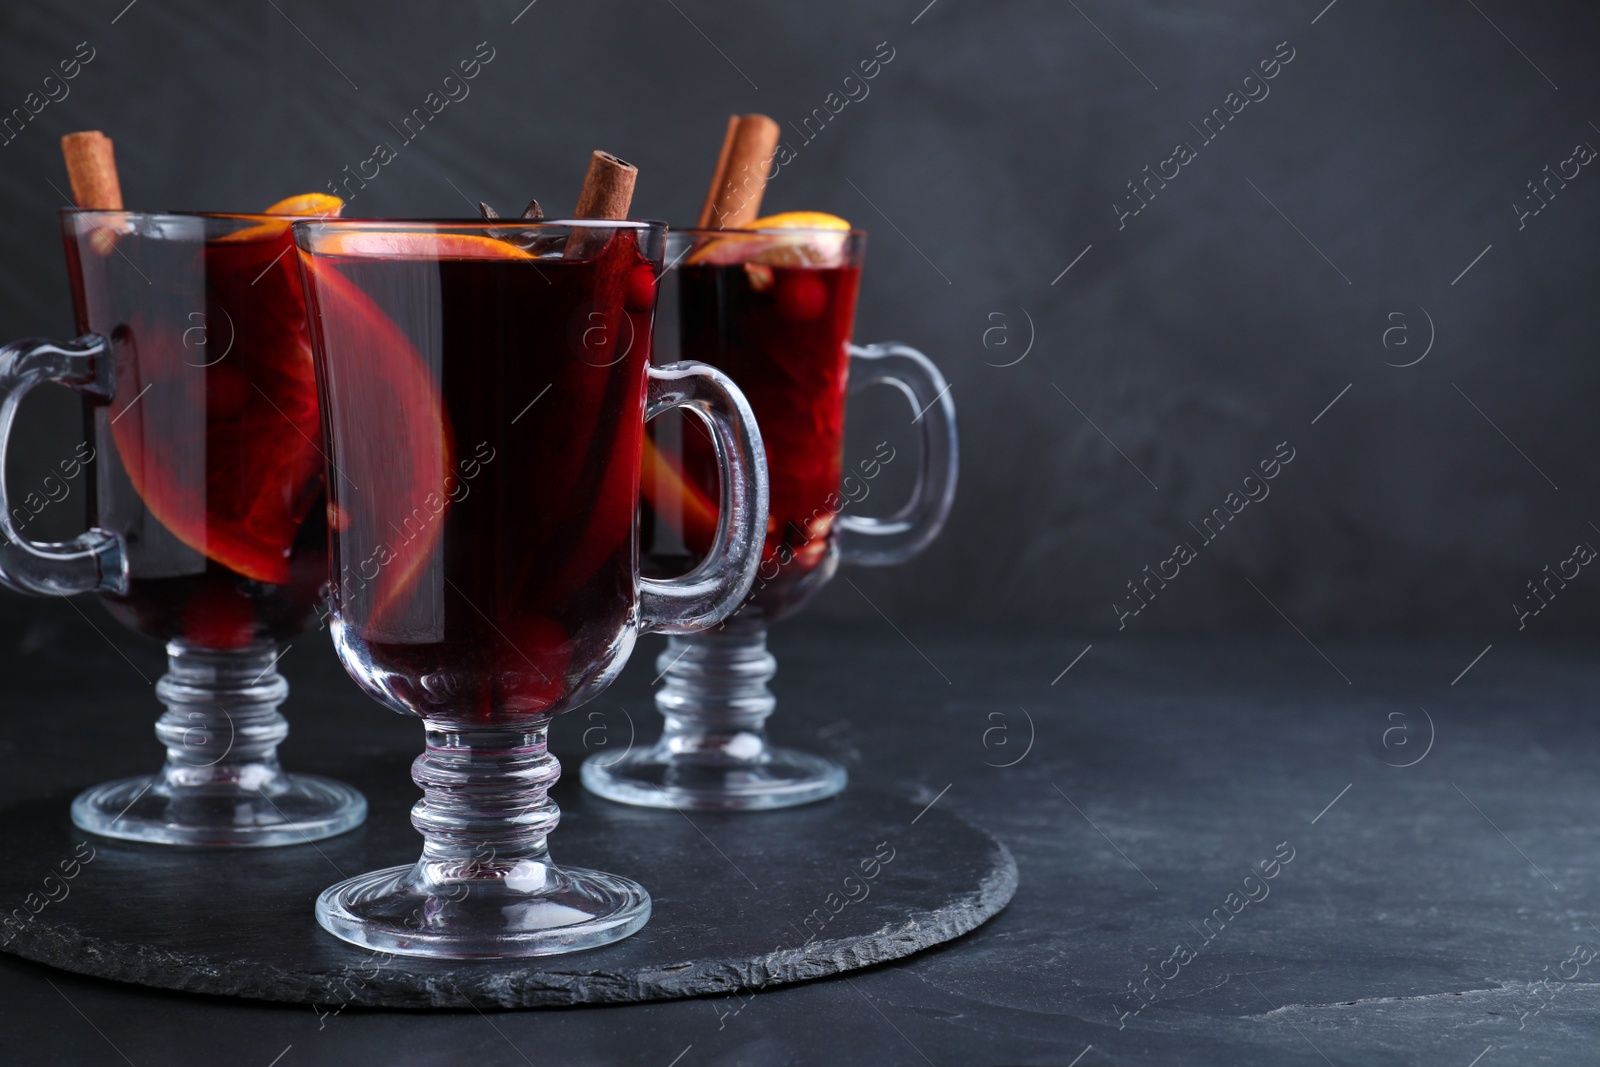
[713, 754]
[222, 724]
[485, 886]
[486, 803]
[222, 784]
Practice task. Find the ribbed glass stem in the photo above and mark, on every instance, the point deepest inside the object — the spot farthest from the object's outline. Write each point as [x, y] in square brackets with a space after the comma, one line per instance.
[485, 886]
[715, 696]
[485, 807]
[222, 728]
[713, 754]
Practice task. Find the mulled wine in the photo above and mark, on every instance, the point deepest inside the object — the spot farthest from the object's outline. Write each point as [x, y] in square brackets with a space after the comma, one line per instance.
[484, 387]
[208, 460]
[782, 333]
[206, 503]
[772, 305]
[484, 552]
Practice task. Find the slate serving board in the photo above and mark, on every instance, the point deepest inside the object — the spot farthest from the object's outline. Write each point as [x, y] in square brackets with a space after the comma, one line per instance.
[740, 902]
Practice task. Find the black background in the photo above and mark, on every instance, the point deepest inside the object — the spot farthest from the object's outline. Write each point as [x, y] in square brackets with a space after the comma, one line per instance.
[1219, 322]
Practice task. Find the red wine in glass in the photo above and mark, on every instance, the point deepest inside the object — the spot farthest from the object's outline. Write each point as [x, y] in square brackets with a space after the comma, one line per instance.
[210, 457]
[485, 558]
[484, 388]
[774, 309]
[782, 333]
[207, 505]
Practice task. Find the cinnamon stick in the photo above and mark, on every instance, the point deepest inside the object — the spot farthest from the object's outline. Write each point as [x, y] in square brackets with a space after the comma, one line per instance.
[92, 169]
[718, 175]
[741, 178]
[607, 188]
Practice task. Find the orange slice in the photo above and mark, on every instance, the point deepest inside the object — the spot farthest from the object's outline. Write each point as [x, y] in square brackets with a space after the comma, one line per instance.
[307, 205]
[304, 206]
[376, 377]
[219, 432]
[798, 220]
[665, 487]
[818, 240]
[418, 245]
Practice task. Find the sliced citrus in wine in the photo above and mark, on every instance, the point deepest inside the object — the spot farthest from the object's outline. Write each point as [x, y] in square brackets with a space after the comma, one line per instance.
[798, 220]
[307, 205]
[671, 495]
[792, 239]
[216, 422]
[391, 491]
[304, 206]
[418, 245]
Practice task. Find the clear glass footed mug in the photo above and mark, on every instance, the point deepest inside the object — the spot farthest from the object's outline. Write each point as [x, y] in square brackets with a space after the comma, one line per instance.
[206, 505]
[774, 309]
[484, 392]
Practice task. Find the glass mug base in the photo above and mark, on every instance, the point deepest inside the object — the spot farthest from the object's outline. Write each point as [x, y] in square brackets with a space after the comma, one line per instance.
[713, 754]
[299, 808]
[659, 778]
[222, 785]
[535, 909]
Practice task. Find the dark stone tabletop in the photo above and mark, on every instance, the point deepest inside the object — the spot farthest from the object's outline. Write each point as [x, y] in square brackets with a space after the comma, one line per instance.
[1352, 853]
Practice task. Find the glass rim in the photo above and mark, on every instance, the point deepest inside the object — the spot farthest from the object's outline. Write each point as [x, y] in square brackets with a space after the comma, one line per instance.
[435, 222]
[247, 216]
[695, 231]
[395, 223]
[309, 221]
[310, 233]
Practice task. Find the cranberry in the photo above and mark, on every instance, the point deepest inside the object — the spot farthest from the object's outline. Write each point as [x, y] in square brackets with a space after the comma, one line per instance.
[801, 295]
[641, 296]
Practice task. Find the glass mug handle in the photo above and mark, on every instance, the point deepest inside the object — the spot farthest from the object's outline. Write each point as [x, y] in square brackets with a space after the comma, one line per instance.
[881, 542]
[94, 561]
[707, 594]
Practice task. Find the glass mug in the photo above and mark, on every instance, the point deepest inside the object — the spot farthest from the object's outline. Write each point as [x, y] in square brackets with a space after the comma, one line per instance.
[206, 506]
[774, 310]
[484, 391]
